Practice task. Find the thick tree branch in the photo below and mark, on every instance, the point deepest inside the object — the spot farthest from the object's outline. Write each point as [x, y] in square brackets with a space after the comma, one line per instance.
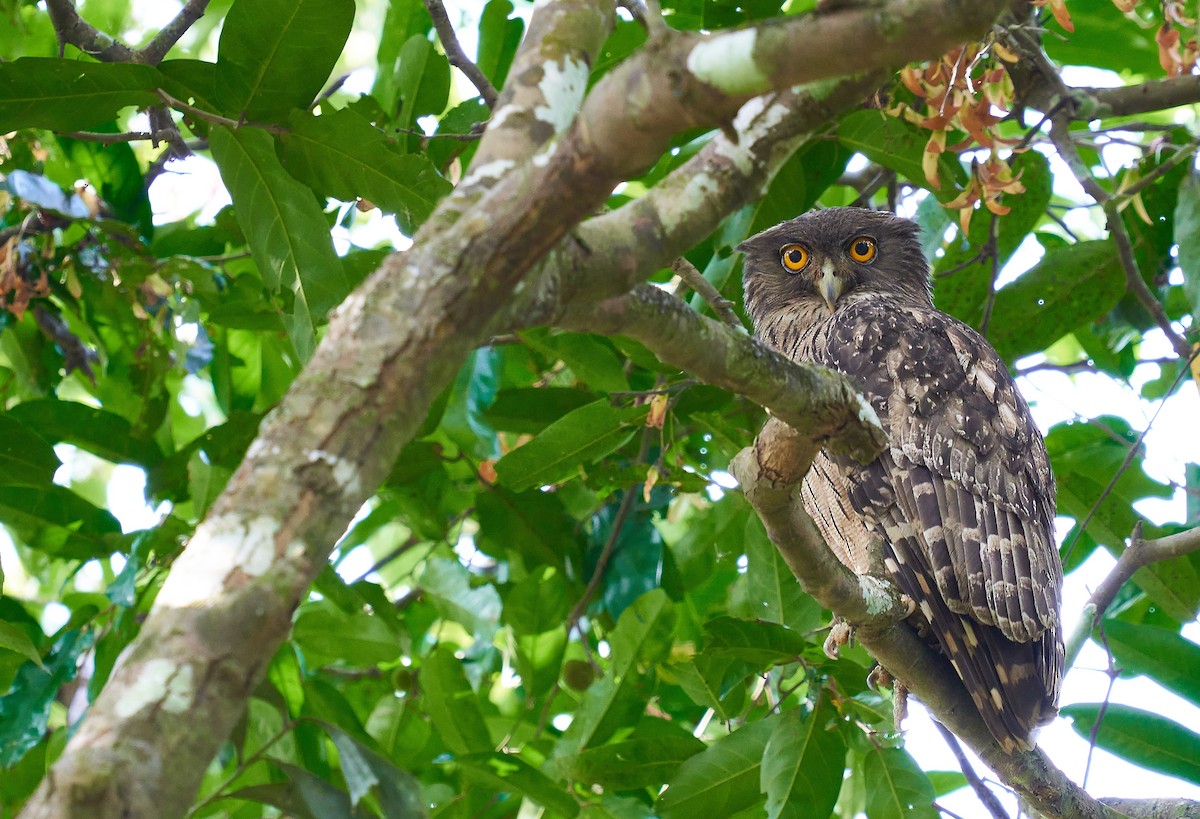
[455, 54]
[389, 350]
[157, 48]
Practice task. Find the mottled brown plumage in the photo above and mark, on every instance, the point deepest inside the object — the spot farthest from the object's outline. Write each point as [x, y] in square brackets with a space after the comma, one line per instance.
[961, 505]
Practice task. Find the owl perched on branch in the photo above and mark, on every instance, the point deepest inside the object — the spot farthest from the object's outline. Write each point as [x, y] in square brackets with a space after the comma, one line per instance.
[961, 505]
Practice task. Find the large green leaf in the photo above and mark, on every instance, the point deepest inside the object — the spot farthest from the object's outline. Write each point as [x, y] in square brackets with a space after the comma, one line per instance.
[508, 773]
[768, 590]
[54, 520]
[71, 95]
[638, 762]
[576, 439]
[451, 704]
[1069, 287]
[288, 236]
[1165, 656]
[499, 36]
[343, 155]
[761, 643]
[26, 459]
[326, 634]
[896, 787]
[803, 764]
[365, 771]
[722, 780]
[102, 433]
[275, 55]
[1142, 737]
[448, 586]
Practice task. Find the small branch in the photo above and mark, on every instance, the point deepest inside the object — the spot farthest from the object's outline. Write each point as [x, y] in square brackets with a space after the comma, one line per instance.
[986, 797]
[1138, 553]
[1061, 137]
[1184, 154]
[691, 277]
[157, 48]
[215, 119]
[456, 56]
[108, 139]
[71, 29]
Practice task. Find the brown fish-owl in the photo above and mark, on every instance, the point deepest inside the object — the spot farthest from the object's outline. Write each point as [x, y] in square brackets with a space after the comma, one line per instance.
[961, 504]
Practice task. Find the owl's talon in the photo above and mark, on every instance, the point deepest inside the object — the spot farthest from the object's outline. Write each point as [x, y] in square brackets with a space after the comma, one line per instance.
[840, 633]
[910, 605]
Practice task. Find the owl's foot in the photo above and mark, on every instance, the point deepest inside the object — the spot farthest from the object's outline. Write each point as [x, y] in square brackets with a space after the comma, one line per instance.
[879, 678]
[840, 633]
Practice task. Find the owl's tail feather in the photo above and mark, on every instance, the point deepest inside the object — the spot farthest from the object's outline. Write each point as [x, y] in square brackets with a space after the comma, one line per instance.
[1013, 685]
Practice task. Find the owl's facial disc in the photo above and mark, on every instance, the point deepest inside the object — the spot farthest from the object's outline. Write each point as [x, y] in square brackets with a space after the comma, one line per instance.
[829, 284]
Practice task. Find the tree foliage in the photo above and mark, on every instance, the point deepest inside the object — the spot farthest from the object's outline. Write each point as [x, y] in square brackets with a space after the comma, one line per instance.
[462, 541]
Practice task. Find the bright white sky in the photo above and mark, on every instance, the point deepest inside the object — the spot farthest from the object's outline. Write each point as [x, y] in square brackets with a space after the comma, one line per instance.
[1054, 397]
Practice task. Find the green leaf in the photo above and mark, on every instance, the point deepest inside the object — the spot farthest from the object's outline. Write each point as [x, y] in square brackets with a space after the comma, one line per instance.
[1069, 287]
[899, 145]
[499, 36]
[102, 433]
[1165, 656]
[538, 603]
[55, 520]
[70, 95]
[590, 357]
[770, 589]
[963, 292]
[532, 409]
[762, 643]
[25, 457]
[722, 780]
[275, 55]
[343, 155]
[1142, 737]
[532, 525]
[1187, 237]
[508, 773]
[896, 787]
[25, 709]
[578, 438]
[16, 640]
[643, 634]
[447, 584]
[803, 764]
[326, 634]
[363, 769]
[472, 393]
[422, 83]
[452, 705]
[288, 236]
[642, 762]
[539, 659]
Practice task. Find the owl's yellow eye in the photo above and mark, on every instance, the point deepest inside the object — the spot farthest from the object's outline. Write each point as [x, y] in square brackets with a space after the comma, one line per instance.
[863, 249]
[793, 258]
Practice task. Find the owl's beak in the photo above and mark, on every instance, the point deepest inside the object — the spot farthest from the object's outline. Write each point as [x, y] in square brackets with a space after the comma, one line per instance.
[829, 284]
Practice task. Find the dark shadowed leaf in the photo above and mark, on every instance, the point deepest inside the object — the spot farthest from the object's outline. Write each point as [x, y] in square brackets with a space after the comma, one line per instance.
[67, 95]
[25, 709]
[508, 773]
[26, 459]
[451, 704]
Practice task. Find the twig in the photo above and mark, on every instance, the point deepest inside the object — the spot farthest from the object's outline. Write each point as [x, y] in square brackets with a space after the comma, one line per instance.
[992, 252]
[1061, 137]
[455, 54]
[108, 139]
[157, 48]
[691, 277]
[1185, 153]
[208, 116]
[981, 789]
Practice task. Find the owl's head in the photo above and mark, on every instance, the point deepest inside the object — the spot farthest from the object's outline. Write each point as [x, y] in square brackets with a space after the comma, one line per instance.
[829, 258]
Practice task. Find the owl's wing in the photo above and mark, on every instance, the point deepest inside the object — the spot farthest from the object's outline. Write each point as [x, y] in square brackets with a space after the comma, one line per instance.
[964, 499]
[968, 467]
